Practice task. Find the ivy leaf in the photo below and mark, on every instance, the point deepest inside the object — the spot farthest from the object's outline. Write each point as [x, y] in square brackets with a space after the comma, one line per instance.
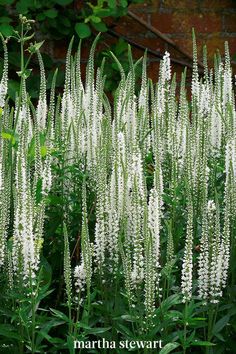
[82, 30]
[100, 27]
[124, 3]
[112, 3]
[6, 2]
[64, 2]
[40, 17]
[95, 19]
[6, 30]
[51, 13]
[22, 7]
[5, 19]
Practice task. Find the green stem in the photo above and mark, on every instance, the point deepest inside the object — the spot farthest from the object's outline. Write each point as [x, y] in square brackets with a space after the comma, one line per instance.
[33, 317]
[77, 318]
[185, 326]
[21, 343]
[88, 300]
[209, 329]
[211, 323]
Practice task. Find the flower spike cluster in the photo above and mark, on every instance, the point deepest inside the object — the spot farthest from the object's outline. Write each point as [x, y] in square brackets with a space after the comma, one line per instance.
[162, 181]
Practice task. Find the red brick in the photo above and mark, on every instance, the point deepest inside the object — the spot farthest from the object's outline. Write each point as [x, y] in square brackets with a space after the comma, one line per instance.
[83, 71]
[60, 50]
[182, 22]
[186, 45]
[153, 70]
[146, 7]
[180, 4]
[217, 4]
[230, 22]
[163, 22]
[153, 43]
[128, 26]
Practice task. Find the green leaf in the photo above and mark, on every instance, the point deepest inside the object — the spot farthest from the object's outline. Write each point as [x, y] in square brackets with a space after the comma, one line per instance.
[6, 2]
[83, 325]
[25, 74]
[66, 21]
[100, 27]
[170, 301]
[111, 3]
[64, 2]
[51, 13]
[124, 330]
[6, 30]
[28, 37]
[221, 324]
[124, 3]
[104, 12]
[22, 7]
[5, 19]
[60, 315]
[98, 330]
[129, 318]
[82, 30]
[9, 136]
[35, 47]
[202, 343]
[220, 337]
[70, 344]
[121, 47]
[169, 347]
[8, 331]
[43, 150]
[13, 88]
[40, 17]
[95, 19]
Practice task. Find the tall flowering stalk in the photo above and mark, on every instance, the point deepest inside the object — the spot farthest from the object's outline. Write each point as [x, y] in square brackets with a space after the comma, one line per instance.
[67, 269]
[85, 242]
[25, 257]
[4, 79]
[152, 251]
[187, 266]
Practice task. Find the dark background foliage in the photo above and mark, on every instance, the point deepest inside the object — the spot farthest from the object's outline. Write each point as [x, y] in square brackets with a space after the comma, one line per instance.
[56, 21]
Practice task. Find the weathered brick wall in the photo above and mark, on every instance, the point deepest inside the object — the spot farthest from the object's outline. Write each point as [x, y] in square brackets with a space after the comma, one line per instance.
[214, 22]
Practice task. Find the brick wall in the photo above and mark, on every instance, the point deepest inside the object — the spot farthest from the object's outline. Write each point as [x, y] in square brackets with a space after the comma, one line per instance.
[214, 22]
